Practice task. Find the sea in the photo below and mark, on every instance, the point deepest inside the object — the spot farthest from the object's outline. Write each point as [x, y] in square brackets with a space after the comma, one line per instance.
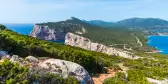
[159, 42]
[21, 28]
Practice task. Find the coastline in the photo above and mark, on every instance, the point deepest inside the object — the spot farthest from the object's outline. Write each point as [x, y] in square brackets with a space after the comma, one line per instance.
[149, 43]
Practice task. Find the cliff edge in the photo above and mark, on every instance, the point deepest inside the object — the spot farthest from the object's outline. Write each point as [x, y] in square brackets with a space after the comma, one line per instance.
[85, 43]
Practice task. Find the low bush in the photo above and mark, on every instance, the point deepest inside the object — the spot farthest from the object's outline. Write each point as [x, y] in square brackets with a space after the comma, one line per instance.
[14, 73]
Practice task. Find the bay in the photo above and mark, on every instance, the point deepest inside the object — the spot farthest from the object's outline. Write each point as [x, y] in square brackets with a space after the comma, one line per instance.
[159, 42]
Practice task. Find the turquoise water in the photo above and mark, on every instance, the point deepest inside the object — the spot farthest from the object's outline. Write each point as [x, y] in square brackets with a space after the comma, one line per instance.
[21, 28]
[160, 42]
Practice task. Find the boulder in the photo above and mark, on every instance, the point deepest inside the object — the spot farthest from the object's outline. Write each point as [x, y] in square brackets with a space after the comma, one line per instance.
[31, 59]
[66, 68]
[15, 58]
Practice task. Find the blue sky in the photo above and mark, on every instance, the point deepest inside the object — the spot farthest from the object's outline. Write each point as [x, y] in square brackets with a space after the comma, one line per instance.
[35, 11]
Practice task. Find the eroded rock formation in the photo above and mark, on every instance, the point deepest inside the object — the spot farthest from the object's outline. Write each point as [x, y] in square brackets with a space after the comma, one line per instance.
[46, 33]
[85, 43]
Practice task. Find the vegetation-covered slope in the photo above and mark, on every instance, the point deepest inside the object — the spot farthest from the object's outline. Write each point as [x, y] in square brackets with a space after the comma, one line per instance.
[15, 73]
[107, 36]
[101, 23]
[132, 22]
[23, 46]
[154, 26]
[150, 66]
[143, 22]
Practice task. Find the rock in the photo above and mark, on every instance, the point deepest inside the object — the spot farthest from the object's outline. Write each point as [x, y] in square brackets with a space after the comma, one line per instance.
[46, 33]
[15, 58]
[66, 68]
[85, 43]
[8, 56]
[31, 59]
[165, 81]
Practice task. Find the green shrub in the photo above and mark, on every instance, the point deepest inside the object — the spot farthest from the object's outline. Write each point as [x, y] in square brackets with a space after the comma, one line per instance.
[45, 77]
[14, 73]
[118, 79]
[11, 73]
[134, 77]
[137, 77]
[153, 68]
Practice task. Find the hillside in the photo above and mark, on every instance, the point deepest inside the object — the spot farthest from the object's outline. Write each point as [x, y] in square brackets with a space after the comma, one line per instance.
[116, 36]
[132, 22]
[24, 46]
[100, 23]
[143, 22]
[154, 26]
[135, 71]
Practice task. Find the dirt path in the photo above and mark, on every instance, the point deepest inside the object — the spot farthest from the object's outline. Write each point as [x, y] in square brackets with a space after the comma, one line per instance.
[138, 41]
[100, 79]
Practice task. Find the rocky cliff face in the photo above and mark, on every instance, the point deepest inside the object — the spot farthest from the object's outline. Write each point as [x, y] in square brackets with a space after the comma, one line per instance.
[46, 33]
[85, 43]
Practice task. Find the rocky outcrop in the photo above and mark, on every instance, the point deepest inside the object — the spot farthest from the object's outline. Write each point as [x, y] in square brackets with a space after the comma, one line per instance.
[85, 43]
[57, 66]
[15, 58]
[31, 59]
[45, 33]
[66, 68]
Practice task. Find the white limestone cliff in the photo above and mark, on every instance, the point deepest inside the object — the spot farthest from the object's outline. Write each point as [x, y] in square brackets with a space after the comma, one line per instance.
[85, 43]
[46, 33]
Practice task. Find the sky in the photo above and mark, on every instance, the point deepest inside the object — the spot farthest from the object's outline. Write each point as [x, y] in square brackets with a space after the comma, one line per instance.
[37, 11]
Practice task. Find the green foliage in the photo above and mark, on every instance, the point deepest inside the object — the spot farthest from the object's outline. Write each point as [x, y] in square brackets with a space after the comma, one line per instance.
[2, 27]
[118, 79]
[11, 73]
[143, 22]
[25, 45]
[14, 73]
[106, 36]
[136, 77]
[45, 77]
[156, 69]
[152, 65]
[71, 80]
